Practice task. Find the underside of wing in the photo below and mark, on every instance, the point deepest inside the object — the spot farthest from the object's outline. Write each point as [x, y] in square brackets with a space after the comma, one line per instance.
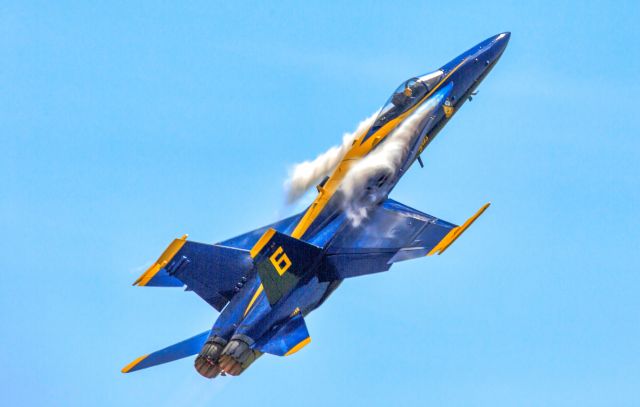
[213, 272]
[393, 232]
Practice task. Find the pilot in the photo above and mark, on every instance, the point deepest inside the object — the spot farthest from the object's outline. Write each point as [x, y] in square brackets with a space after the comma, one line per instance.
[400, 99]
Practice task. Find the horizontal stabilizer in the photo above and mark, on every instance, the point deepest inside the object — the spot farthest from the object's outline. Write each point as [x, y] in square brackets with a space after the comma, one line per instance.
[288, 339]
[180, 350]
[281, 262]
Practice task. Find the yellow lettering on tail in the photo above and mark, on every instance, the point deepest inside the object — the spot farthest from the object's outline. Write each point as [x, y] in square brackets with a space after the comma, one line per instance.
[280, 261]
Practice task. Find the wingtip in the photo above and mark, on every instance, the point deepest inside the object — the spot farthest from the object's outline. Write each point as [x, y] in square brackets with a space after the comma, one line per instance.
[164, 258]
[148, 274]
[456, 232]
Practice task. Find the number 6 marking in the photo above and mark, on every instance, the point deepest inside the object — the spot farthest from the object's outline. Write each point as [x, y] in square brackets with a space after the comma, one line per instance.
[281, 263]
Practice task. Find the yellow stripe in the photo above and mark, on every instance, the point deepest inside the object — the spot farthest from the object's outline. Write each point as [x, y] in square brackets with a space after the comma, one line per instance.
[456, 232]
[262, 242]
[133, 364]
[253, 299]
[299, 346]
[162, 261]
[257, 248]
[357, 151]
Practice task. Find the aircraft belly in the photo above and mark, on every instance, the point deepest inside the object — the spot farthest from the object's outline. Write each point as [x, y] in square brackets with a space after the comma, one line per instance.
[233, 313]
[262, 317]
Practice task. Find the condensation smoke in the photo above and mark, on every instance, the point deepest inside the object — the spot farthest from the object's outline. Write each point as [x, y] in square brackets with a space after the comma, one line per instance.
[384, 162]
[309, 173]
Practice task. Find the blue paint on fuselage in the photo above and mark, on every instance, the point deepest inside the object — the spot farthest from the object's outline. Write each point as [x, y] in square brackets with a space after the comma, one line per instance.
[462, 75]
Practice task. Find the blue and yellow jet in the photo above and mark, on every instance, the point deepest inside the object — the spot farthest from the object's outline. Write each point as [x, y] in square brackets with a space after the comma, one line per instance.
[266, 281]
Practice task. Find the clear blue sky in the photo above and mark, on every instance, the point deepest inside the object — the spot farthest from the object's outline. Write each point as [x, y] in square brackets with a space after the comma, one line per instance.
[123, 126]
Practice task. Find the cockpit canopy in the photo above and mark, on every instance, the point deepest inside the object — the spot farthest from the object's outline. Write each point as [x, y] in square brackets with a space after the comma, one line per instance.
[407, 95]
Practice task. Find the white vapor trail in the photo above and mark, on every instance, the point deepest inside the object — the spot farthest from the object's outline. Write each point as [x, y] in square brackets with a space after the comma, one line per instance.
[385, 161]
[309, 173]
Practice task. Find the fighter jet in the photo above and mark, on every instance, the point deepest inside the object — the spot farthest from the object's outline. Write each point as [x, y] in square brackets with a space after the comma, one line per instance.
[265, 282]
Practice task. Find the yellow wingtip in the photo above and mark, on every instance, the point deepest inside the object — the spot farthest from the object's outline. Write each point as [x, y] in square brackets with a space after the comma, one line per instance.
[166, 256]
[133, 364]
[456, 232]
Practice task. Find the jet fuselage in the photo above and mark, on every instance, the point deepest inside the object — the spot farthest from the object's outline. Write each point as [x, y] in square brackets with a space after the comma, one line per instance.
[249, 315]
[265, 281]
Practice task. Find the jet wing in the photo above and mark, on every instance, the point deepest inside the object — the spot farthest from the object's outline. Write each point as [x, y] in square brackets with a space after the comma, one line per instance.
[393, 232]
[214, 272]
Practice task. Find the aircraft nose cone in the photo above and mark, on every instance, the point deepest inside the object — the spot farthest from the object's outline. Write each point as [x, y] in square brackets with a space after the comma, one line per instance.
[494, 47]
[504, 36]
[501, 41]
